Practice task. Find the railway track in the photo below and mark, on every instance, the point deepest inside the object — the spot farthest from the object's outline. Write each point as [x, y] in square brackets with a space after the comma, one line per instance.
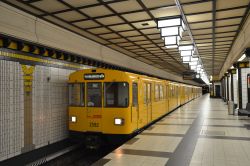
[76, 155]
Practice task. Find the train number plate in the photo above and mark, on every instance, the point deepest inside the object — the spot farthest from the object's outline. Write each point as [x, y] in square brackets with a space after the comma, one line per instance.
[93, 124]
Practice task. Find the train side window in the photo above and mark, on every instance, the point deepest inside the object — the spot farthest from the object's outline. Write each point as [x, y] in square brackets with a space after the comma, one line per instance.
[156, 92]
[135, 94]
[76, 95]
[94, 94]
[145, 93]
[149, 93]
[166, 92]
[161, 92]
[116, 94]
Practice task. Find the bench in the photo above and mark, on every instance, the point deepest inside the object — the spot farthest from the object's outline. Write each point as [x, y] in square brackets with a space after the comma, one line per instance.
[245, 111]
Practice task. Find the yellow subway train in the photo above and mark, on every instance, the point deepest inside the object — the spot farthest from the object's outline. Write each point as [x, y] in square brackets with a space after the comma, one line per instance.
[112, 102]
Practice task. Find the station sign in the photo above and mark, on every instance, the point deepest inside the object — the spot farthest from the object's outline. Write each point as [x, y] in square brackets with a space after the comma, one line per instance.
[94, 76]
[188, 77]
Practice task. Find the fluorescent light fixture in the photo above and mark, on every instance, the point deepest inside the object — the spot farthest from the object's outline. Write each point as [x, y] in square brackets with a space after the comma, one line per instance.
[186, 47]
[170, 31]
[242, 57]
[186, 53]
[73, 119]
[186, 59]
[169, 22]
[171, 40]
[180, 31]
[119, 121]
[171, 46]
[211, 77]
[192, 63]
[194, 59]
[193, 67]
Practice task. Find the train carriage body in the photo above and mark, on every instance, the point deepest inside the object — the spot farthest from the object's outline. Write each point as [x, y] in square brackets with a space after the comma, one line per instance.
[116, 102]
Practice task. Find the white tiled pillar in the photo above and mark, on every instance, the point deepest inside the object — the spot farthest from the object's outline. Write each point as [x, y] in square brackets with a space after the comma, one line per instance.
[244, 72]
[229, 86]
[235, 83]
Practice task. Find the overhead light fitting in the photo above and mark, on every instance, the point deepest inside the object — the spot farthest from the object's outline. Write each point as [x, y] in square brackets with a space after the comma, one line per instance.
[242, 58]
[186, 47]
[186, 53]
[172, 40]
[176, 34]
[186, 59]
[171, 22]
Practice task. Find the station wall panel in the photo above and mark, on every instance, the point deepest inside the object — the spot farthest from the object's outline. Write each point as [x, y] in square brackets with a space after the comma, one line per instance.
[11, 109]
[34, 117]
[244, 72]
[50, 100]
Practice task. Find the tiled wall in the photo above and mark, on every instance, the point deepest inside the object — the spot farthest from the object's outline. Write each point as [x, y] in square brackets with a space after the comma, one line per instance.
[11, 109]
[244, 72]
[50, 99]
[235, 82]
[49, 107]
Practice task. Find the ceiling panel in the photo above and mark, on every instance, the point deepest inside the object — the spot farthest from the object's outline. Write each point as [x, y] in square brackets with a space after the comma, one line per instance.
[130, 6]
[129, 26]
[96, 11]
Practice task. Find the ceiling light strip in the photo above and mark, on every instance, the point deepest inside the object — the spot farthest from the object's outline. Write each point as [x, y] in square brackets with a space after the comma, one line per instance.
[205, 79]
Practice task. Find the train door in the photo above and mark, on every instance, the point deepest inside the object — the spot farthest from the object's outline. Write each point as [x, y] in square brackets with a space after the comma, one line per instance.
[94, 106]
[149, 101]
[134, 107]
[167, 98]
[147, 108]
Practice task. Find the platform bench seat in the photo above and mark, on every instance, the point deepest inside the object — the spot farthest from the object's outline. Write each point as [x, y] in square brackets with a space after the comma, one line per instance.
[245, 111]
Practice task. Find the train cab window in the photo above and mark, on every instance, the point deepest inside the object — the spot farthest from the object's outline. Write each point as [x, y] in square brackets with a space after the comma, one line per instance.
[94, 94]
[76, 95]
[116, 94]
[135, 94]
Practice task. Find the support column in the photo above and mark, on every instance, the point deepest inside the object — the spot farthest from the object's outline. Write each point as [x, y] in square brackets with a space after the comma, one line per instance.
[28, 135]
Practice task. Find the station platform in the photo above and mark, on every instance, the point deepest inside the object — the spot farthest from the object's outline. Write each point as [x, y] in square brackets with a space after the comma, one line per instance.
[200, 133]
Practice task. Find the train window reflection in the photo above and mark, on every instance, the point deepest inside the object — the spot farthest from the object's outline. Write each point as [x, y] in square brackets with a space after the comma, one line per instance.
[76, 94]
[94, 94]
[116, 94]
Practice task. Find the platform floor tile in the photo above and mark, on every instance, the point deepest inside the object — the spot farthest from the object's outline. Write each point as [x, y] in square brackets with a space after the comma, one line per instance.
[200, 133]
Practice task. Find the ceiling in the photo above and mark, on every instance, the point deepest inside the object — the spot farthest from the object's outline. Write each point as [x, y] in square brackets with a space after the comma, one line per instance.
[129, 26]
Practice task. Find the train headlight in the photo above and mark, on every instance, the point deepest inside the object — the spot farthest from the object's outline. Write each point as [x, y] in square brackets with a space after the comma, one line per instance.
[73, 119]
[119, 121]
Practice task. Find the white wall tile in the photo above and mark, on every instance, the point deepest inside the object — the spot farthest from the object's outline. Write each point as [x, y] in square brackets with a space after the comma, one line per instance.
[11, 109]
[49, 105]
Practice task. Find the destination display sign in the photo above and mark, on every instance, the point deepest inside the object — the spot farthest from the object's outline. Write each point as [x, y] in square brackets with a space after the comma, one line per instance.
[94, 76]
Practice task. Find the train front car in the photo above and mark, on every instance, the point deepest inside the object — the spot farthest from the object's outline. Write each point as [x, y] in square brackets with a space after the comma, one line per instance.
[101, 104]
